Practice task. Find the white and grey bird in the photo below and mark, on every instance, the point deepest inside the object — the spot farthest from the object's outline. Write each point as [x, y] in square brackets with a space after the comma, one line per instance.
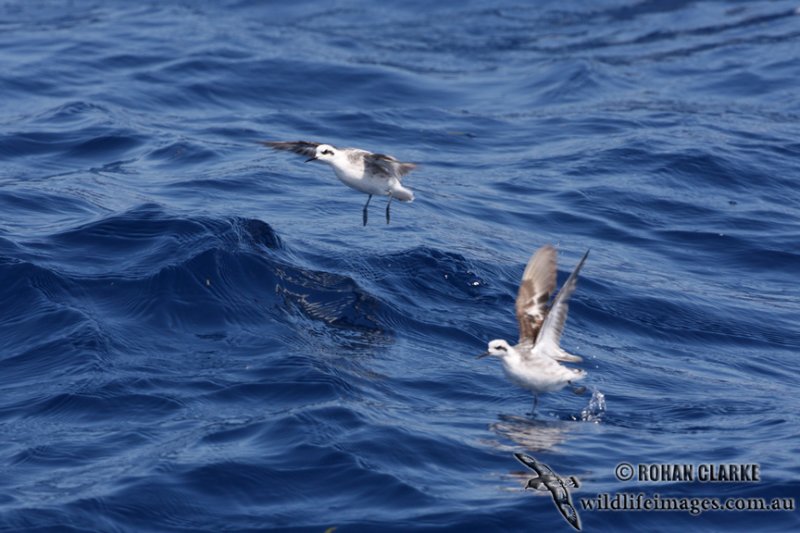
[533, 363]
[359, 169]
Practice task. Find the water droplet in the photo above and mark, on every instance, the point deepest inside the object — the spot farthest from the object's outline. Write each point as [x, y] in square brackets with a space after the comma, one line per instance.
[596, 408]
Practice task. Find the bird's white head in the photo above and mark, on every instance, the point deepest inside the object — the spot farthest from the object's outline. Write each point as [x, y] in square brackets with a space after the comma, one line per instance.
[497, 347]
[326, 152]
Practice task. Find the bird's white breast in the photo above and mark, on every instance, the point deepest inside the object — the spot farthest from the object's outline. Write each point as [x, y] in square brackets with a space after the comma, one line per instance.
[537, 373]
[353, 175]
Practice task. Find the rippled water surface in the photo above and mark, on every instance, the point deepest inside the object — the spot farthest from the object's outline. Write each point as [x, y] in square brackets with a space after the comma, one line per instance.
[197, 333]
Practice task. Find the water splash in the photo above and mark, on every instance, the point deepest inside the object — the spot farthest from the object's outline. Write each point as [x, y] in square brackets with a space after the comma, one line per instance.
[594, 411]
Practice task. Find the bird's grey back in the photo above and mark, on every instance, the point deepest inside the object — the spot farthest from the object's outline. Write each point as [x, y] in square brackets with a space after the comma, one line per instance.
[386, 165]
[355, 155]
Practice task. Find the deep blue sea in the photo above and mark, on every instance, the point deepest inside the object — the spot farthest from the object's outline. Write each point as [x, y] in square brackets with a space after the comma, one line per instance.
[198, 334]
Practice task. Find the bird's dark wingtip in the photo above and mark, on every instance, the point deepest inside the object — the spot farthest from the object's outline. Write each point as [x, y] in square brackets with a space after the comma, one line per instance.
[524, 459]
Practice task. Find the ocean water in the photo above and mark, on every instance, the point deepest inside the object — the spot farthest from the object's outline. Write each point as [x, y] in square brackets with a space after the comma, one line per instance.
[197, 333]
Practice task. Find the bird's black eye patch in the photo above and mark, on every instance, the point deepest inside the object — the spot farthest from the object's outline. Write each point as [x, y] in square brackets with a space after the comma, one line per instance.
[327, 152]
[501, 347]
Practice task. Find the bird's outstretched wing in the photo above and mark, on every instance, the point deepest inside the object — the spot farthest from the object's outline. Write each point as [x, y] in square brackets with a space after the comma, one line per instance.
[538, 283]
[386, 165]
[305, 148]
[553, 325]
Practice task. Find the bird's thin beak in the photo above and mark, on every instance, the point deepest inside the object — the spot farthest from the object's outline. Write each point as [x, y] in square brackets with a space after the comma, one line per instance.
[484, 354]
[311, 159]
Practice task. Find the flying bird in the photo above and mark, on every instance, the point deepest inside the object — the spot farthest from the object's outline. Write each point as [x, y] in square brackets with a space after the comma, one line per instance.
[361, 170]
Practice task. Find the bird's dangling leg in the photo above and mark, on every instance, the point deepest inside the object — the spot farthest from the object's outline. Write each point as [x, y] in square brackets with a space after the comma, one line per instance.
[535, 403]
[388, 205]
[365, 209]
